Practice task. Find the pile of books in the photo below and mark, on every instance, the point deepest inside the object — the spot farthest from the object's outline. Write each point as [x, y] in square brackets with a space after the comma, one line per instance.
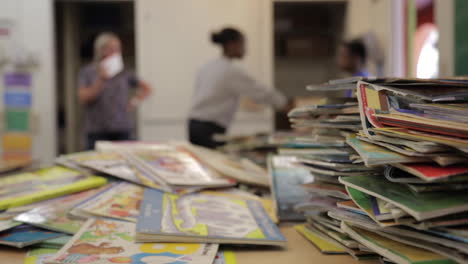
[400, 191]
[153, 203]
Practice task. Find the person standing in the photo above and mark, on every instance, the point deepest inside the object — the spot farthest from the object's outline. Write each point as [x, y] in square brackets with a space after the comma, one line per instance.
[218, 88]
[104, 88]
[352, 57]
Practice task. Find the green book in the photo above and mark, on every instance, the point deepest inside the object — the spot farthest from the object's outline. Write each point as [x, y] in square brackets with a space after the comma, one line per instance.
[421, 206]
[393, 250]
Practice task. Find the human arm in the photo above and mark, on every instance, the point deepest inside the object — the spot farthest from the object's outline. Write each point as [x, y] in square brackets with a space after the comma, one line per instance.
[89, 90]
[240, 83]
[143, 91]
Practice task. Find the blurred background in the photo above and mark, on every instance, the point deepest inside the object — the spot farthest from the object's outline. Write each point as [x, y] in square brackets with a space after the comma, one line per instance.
[290, 44]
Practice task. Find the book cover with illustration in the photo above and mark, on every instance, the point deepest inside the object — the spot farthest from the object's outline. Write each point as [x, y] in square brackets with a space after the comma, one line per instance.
[421, 206]
[39, 255]
[180, 168]
[286, 180]
[205, 218]
[102, 241]
[54, 216]
[121, 201]
[30, 187]
[115, 164]
[24, 235]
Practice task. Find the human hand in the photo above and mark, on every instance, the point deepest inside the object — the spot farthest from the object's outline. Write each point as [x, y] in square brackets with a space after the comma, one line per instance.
[133, 104]
[102, 73]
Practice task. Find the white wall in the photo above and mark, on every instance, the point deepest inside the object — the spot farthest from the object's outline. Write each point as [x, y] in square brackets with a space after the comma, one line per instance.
[34, 31]
[385, 19]
[173, 41]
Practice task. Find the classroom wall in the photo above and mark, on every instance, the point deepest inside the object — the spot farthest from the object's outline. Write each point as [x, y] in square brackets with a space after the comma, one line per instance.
[33, 22]
[173, 41]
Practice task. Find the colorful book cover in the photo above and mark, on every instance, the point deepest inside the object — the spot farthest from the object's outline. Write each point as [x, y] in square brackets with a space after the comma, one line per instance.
[103, 241]
[121, 201]
[432, 172]
[26, 188]
[286, 180]
[393, 250]
[114, 164]
[179, 168]
[203, 217]
[25, 235]
[54, 216]
[322, 244]
[375, 155]
[366, 203]
[39, 255]
[421, 206]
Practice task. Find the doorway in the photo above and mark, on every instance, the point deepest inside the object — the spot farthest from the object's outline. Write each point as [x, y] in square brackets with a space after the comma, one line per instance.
[306, 37]
[77, 24]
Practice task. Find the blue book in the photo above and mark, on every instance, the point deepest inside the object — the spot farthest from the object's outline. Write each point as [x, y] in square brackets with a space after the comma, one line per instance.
[25, 235]
[205, 218]
[286, 183]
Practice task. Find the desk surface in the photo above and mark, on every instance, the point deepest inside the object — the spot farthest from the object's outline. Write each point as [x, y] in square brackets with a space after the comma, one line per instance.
[298, 251]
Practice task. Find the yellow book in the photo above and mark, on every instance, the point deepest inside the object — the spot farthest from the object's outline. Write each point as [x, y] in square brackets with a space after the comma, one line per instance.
[322, 244]
[30, 187]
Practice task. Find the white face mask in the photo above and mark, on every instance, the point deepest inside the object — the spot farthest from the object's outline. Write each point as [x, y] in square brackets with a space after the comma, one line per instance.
[113, 64]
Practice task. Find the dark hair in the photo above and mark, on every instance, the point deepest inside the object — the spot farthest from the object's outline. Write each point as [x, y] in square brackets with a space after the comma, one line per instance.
[357, 48]
[226, 36]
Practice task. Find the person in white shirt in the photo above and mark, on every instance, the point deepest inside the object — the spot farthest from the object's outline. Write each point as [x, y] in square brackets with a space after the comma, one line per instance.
[218, 88]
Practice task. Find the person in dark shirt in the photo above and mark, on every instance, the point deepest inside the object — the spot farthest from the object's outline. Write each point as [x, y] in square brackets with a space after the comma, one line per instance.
[104, 88]
[352, 56]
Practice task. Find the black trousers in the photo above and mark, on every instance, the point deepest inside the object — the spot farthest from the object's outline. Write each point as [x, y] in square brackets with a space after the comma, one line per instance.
[201, 133]
[110, 136]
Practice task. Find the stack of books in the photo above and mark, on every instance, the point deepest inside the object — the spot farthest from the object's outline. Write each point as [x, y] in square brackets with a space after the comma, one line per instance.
[403, 196]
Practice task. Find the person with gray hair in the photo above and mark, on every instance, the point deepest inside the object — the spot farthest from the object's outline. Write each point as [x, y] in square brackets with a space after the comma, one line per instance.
[104, 88]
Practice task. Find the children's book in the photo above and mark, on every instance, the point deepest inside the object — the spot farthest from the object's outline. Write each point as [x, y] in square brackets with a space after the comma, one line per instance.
[54, 216]
[205, 217]
[322, 244]
[241, 170]
[286, 180]
[432, 172]
[115, 164]
[102, 241]
[179, 168]
[421, 206]
[24, 235]
[376, 155]
[39, 255]
[393, 250]
[26, 188]
[367, 204]
[121, 201]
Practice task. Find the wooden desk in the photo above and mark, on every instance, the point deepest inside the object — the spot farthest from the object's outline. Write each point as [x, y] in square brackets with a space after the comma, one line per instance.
[298, 251]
